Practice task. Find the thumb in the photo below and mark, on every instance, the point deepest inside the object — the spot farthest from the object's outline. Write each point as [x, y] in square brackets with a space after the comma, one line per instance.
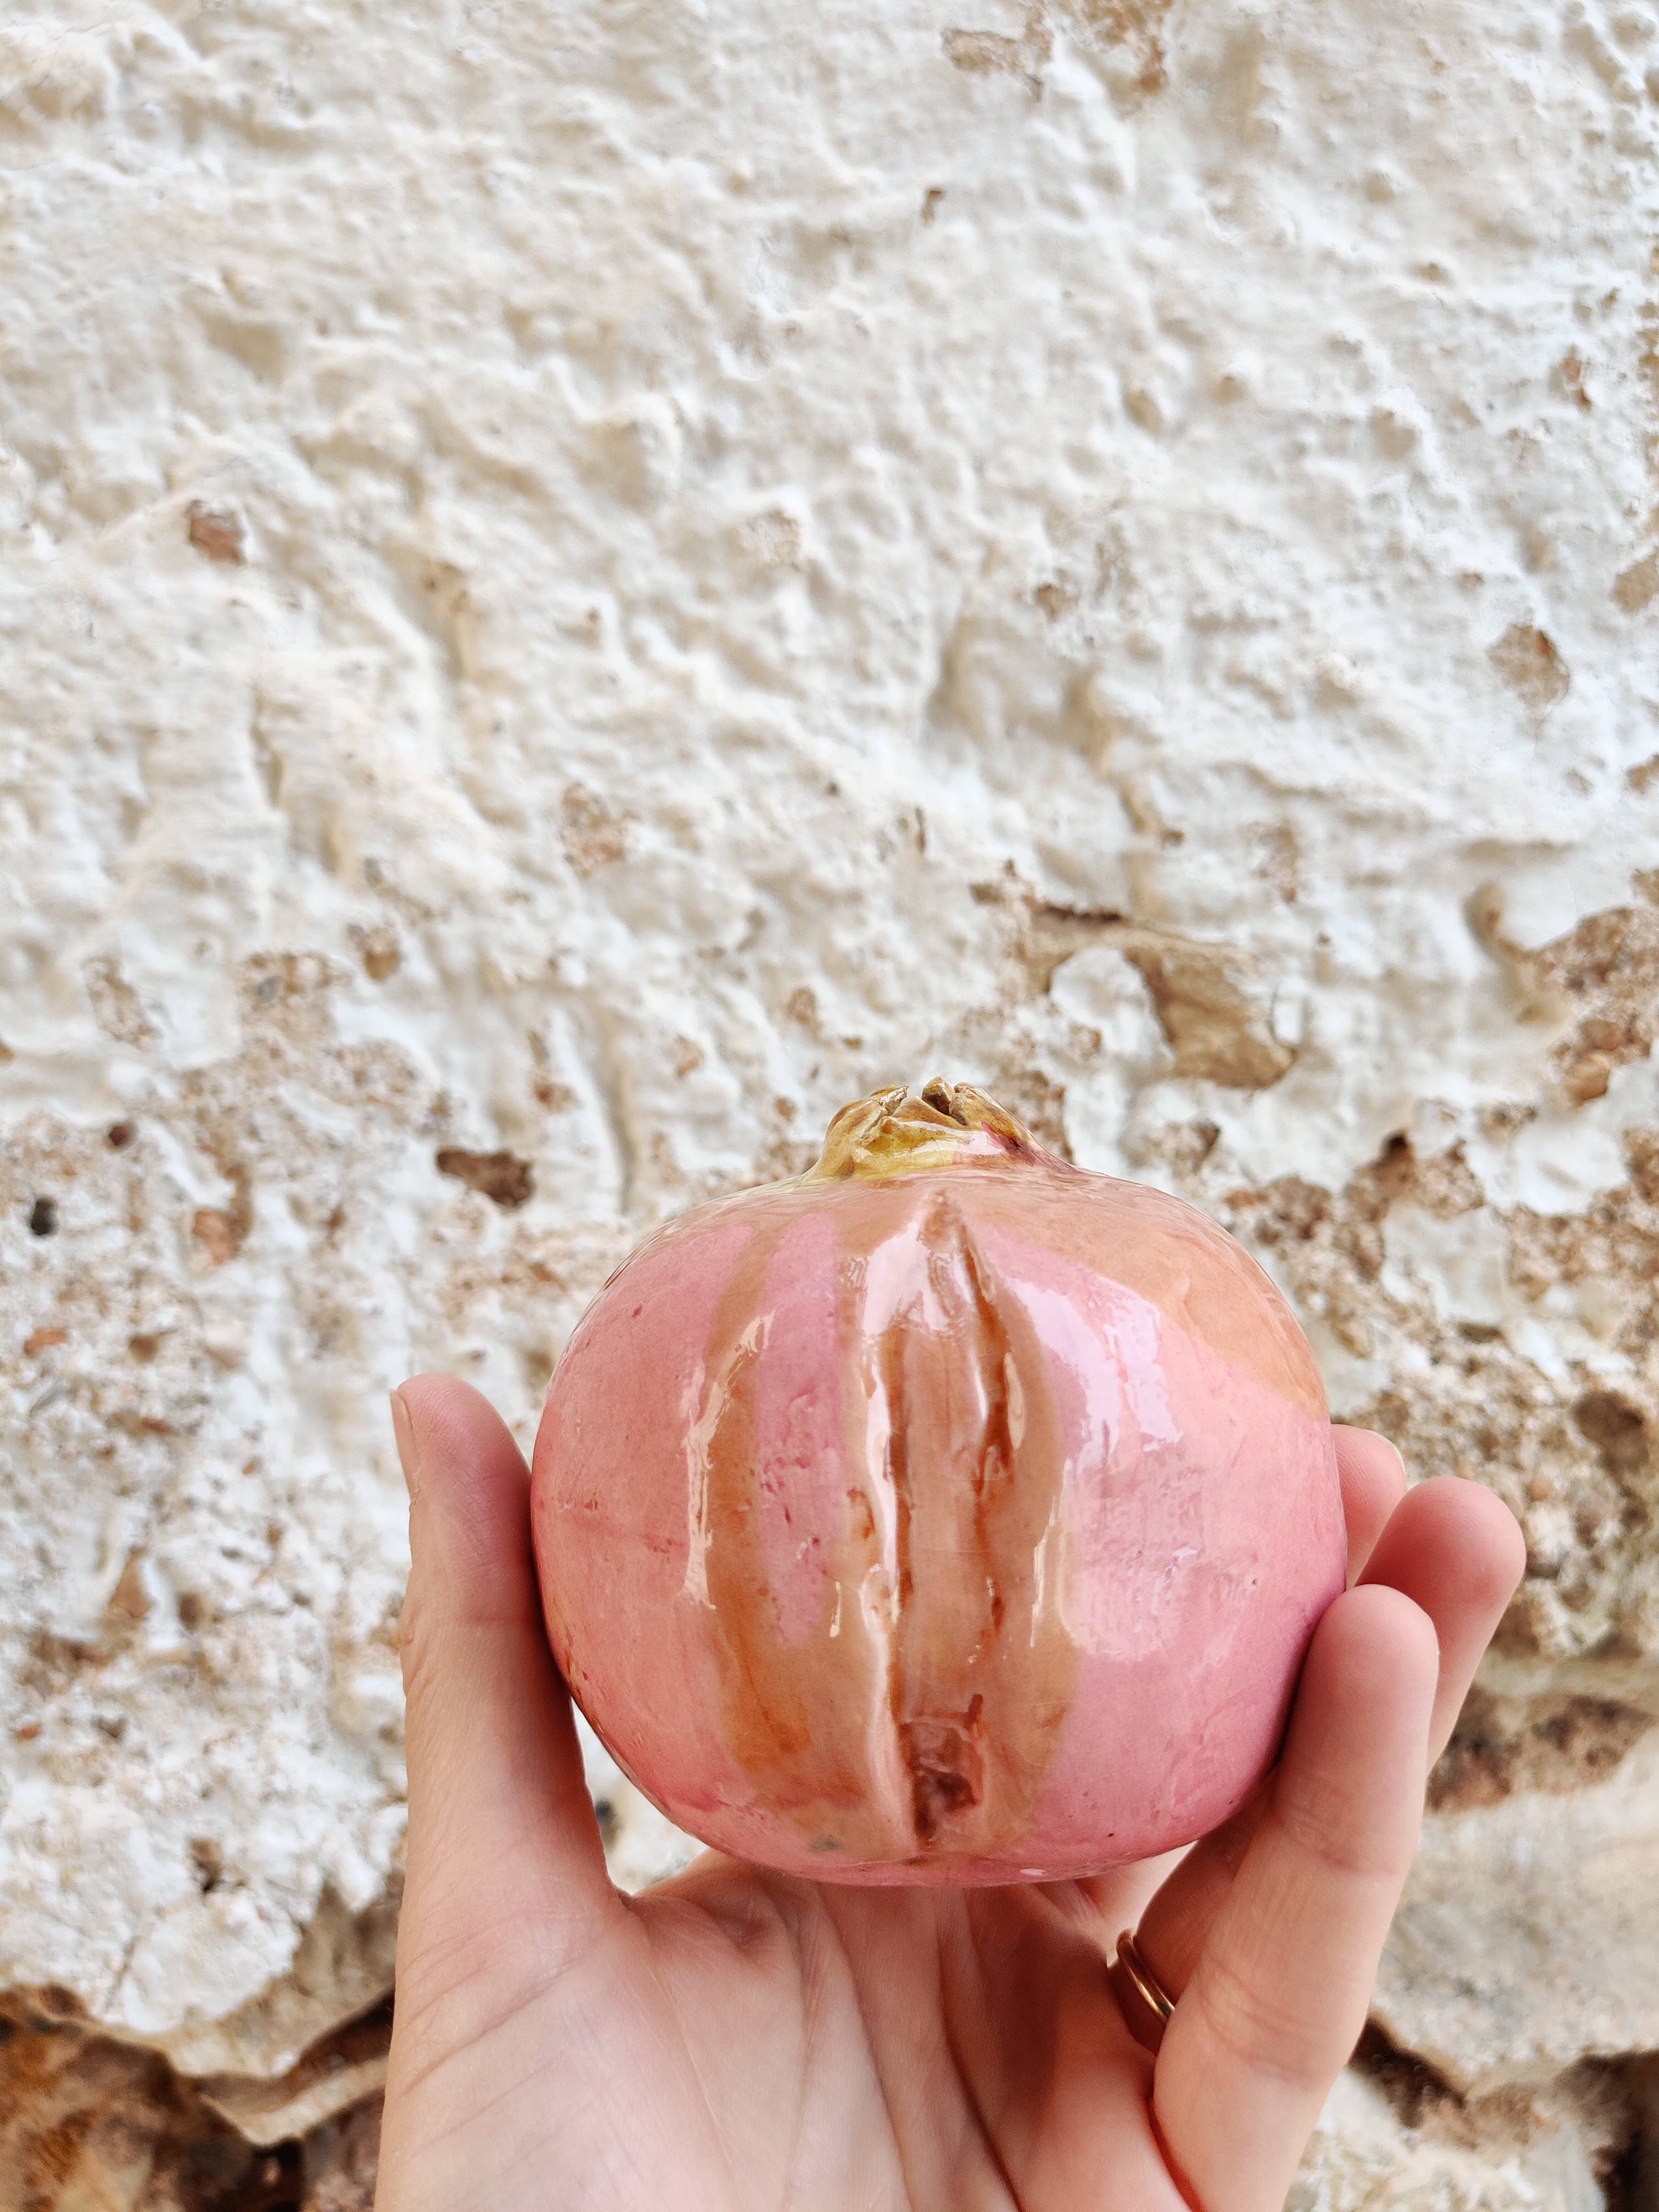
[506, 1872]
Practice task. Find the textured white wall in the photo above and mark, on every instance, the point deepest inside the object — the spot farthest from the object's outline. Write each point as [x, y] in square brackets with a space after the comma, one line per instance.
[589, 581]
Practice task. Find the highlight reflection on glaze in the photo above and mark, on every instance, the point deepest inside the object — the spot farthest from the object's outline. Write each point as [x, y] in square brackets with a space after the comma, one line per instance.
[946, 1514]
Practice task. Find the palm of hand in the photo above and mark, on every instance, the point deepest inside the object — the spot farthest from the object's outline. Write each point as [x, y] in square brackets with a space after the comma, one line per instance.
[731, 2040]
[736, 2039]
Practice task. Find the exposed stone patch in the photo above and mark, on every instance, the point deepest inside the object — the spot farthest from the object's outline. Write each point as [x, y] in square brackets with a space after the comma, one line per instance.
[1135, 27]
[215, 532]
[1397, 2135]
[993, 53]
[85, 2121]
[1211, 999]
[1528, 661]
[116, 1004]
[593, 835]
[1552, 1744]
[502, 1178]
[379, 950]
[1638, 586]
[1608, 967]
[1521, 1949]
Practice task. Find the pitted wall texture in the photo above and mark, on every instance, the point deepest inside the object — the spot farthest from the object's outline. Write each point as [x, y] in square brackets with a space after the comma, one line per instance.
[583, 583]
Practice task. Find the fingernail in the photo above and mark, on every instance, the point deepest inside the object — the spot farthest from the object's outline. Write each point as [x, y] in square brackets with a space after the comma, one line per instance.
[402, 1430]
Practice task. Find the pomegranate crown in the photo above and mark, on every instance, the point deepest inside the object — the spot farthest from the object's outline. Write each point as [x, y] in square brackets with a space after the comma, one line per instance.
[900, 1132]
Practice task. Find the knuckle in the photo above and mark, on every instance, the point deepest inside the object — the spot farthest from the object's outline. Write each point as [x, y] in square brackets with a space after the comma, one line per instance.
[414, 1649]
[1318, 1823]
[1259, 2030]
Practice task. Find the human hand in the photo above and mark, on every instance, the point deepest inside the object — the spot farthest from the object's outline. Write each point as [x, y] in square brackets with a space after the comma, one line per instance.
[737, 2040]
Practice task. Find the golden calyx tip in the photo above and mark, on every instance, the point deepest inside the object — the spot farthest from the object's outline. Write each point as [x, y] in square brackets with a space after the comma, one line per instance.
[896, 1130]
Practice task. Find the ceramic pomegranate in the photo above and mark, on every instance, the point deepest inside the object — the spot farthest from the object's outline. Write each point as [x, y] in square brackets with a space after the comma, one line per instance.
[947, 1513]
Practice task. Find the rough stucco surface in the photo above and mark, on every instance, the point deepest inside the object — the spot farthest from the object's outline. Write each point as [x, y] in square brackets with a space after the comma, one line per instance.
[583, 583]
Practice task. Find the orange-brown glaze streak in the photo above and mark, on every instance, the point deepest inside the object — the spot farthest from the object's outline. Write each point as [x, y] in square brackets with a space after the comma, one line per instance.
[954, 1670]
[982, 1666]
[811, 1753]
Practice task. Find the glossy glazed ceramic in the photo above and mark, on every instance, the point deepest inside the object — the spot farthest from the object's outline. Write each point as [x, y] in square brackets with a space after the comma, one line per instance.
[948, 1515]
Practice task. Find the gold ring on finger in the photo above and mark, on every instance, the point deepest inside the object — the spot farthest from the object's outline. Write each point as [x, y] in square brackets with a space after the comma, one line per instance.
[1145, 2002]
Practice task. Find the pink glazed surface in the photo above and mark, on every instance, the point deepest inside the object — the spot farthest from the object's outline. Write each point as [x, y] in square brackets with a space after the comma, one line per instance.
[961, 1528]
